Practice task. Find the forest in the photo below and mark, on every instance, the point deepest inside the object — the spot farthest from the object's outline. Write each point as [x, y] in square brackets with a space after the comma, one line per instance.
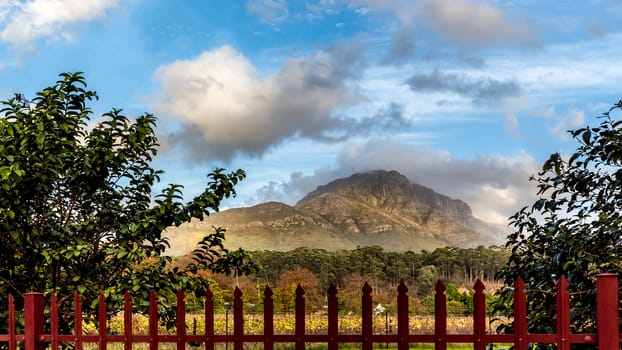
[316, 269]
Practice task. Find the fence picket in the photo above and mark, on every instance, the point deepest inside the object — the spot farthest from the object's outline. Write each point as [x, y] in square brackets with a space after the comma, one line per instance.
[333, 318]
[300, 318]
[520, 315]
[479, 316]
[562, 302]
[209, 320]
[180, 324]
[34, 338]
[440, 317]
[54, 320]
[102, 324]
[402, 317]
[367, 321]
[12, 340]
[268, 321]
[127, 321]
[77, 301]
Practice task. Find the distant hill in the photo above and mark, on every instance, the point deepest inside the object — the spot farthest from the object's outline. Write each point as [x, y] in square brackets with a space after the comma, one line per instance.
[375, 208]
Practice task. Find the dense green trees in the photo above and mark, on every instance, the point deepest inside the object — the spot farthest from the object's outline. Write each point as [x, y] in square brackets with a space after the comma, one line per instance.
[348, 270]
[77, 212]
[317, 269]
[574, 229]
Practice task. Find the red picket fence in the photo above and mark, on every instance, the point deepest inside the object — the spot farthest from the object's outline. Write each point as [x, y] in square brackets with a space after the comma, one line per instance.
[607, 336]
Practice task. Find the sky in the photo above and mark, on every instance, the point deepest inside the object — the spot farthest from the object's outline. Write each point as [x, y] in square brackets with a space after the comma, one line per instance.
[467, 97]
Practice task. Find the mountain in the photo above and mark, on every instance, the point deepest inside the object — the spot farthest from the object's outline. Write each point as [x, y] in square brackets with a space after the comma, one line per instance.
[375, 208]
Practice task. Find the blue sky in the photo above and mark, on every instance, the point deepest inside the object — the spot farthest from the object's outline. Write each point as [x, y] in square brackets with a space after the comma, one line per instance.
[467, 97]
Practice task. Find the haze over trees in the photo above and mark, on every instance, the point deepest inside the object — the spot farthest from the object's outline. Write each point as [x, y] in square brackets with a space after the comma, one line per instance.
[574, 229]
[77, 212]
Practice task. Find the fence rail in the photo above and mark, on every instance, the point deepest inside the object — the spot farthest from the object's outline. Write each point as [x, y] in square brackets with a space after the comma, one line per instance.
[607, 336]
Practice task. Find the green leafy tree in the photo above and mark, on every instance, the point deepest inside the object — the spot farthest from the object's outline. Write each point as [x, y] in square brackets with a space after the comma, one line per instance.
[77, 212]
[573, 230]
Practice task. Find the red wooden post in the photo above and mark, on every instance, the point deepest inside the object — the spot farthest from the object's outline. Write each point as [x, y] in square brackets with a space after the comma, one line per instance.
[300, 318]
[12, 340]
[440, 317]
[367, 322]
[402, 317]
[607, 311]
[238, 319]
[520, 315]
[180, 320]
[103, 319]
[33, 321]
[209, 320]
[333, 318]
[479, 316]
[77, 320]
[268, 319]
[153, 321]
[54, 321]
[562, 304]
[127, 321]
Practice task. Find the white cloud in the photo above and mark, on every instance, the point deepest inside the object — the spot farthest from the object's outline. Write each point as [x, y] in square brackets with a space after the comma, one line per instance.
[25, 21]
[227, 108]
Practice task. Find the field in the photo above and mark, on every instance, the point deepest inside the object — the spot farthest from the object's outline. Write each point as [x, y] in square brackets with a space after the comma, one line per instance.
[285, 324]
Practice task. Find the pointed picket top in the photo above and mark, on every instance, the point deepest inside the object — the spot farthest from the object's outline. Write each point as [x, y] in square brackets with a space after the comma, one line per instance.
[440, 287]
[332, 290]
[562, 283]
[299, 290]
[209, 294]
[366, 289]
[237, 293]
[267, 292]
[402, 289]
[479, 286]
[519, 284]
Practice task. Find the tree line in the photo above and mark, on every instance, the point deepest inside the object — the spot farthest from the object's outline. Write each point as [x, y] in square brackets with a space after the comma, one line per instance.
[317, 269]
[459, 265]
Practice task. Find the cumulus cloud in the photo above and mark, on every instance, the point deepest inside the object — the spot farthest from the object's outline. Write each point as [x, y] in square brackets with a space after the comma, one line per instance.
[23, 22]
[479, 90]
[227, 108]
[494, 186]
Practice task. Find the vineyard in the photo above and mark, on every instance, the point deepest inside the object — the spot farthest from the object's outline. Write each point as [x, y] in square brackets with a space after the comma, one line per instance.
[285, 324]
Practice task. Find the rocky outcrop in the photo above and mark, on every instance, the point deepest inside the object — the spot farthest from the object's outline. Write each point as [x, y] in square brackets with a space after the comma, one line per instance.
[375, 208]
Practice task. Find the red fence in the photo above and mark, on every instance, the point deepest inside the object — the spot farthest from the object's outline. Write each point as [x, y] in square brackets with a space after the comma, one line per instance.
[607, 336]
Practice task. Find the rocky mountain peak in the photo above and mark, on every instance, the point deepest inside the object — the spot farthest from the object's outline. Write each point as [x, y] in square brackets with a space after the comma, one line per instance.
[391, 190]
[379, 207]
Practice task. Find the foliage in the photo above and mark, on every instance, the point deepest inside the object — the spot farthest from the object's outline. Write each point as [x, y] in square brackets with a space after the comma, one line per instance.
[77, 213]
[317, 269]
[384, 268]
[573, 229]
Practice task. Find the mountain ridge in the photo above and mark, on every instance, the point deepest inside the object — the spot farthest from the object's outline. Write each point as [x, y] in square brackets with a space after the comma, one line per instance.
[379, 207]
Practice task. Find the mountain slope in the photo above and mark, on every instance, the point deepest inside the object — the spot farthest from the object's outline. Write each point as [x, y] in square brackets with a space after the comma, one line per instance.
[376, 208]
